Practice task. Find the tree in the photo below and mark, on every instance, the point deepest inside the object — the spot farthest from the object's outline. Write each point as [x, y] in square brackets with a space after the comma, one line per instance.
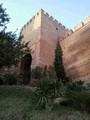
[4, 19]
[11, 49]
[58, 64]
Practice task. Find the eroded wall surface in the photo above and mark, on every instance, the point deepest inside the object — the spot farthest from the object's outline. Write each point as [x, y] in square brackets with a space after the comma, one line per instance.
[51, 30]
[31, 31]
[76, 53]
[43, 31]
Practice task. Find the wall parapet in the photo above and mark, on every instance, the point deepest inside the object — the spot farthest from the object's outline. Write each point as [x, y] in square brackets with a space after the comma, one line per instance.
[81, 24]
[68, 32]
[78, 26]
[41, 11]
[87, 19]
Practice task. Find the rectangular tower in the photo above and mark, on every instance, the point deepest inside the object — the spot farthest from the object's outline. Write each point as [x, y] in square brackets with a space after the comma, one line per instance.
[43, 32]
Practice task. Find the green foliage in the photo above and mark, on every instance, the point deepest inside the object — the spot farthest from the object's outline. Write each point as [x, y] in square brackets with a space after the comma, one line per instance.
[77, 95]
[48, 89]
[58, 63]
[37, 72]
[16, 104]
[4, 19]
[8, 78]
[80, 100]
[76, 86]
[11, 49]
[1, 79]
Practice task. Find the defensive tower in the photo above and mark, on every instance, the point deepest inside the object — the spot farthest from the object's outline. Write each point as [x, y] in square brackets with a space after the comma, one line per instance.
[42, 31]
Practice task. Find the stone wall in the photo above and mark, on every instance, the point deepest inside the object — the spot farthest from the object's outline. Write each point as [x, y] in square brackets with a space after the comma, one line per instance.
[31, 32]
[76, 52]
[51, 30]
[42, 31]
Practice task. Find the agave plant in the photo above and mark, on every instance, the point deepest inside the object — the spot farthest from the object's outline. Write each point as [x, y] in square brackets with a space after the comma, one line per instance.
[47, 91]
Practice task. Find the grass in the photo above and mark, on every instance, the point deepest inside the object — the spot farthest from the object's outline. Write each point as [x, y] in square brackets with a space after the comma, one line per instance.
[16, 104]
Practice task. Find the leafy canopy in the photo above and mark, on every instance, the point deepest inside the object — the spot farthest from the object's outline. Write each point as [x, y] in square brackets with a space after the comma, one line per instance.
[11, 48]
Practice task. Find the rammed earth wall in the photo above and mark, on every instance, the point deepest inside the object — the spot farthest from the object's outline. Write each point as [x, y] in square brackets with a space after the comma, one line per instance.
[43, 31]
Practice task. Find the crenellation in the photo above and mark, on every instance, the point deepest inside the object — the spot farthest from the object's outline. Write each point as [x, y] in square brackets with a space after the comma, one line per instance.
[59, 24]
[87, 19]
[56, 21]
[30, 20]
[24, 26]
[47, 14]
[27, 23]
[37, 13]
[63, 26]
[68, 32]
[78, 26]
[42, 10]
[33, 17]
[51, 18]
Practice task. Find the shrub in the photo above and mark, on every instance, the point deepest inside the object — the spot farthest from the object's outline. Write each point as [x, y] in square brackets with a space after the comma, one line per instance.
[79, 100]
[37, 72]
[1, 79]
[75, 86]
[88, 86]
[47, 91]
[9, 79]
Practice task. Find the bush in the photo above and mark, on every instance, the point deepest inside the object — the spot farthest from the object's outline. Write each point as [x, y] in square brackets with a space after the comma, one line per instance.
[37, 72]
[8, 78]
[47, 90]
[1, 79]
[75, 86]
[79, 100]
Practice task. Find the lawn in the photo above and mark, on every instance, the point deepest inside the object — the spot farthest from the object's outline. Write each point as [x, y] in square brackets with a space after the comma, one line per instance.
[16, 104]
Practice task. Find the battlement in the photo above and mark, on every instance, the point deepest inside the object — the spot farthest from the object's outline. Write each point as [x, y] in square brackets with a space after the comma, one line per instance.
[50, 17]
[31, 20]
[87, 19]
[77, 27]
[41, 12]
[81, 24]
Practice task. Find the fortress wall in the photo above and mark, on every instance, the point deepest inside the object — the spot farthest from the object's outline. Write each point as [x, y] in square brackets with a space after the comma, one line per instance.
[51, 30]
[76, 52]
[46, 53]
[43, 32]
[32, 29]
[31, 32]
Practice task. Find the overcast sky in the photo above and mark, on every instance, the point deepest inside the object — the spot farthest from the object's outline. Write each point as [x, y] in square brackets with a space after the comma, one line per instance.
[68, 12]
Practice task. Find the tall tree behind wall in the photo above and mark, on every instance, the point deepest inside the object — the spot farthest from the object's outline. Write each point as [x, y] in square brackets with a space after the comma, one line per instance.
[58, 63]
